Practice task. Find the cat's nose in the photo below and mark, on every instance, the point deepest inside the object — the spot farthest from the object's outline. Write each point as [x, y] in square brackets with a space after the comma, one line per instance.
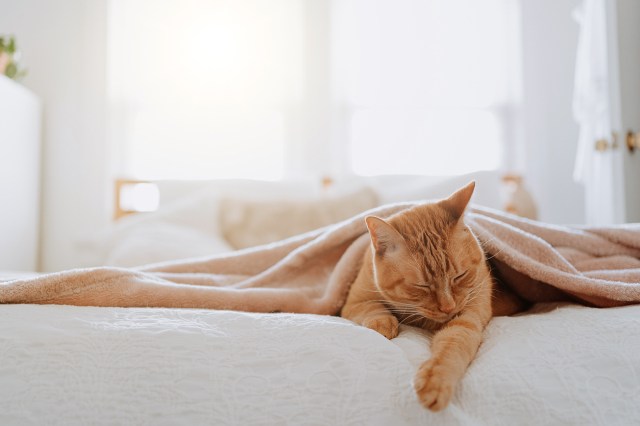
[447, 308]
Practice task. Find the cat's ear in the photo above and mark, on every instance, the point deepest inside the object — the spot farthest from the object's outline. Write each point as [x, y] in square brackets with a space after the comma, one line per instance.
[457, 202]
[384, 237]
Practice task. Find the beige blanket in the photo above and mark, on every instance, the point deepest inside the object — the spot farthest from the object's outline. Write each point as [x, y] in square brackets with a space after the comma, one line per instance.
[311, 273]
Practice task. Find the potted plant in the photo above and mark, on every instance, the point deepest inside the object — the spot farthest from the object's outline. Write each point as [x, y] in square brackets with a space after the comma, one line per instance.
[9, 56]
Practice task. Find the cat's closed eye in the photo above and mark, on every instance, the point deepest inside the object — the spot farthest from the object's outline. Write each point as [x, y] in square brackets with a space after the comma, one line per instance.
[425, 286]
[460, 276]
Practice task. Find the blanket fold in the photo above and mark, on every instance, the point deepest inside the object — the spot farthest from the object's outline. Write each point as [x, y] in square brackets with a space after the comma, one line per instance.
[312, 272]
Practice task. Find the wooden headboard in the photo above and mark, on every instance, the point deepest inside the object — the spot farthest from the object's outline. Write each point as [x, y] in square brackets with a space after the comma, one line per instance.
[122, 207]
[120, 210]
[518, 200]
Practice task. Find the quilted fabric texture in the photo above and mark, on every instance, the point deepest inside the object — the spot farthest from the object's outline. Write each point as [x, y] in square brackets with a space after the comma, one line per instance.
[64, 365]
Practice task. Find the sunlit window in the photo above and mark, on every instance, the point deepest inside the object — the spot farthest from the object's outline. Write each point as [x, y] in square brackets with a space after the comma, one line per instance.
[427, 83]
[197, 87]
[269, 89]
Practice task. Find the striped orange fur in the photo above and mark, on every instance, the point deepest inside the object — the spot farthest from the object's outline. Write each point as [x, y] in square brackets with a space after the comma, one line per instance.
[425, 268]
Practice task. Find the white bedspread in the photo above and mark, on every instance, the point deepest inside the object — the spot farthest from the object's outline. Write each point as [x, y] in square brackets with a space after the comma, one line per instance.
[76, 365]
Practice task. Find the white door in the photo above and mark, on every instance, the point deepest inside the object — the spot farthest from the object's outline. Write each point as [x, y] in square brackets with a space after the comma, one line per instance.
[628, 32]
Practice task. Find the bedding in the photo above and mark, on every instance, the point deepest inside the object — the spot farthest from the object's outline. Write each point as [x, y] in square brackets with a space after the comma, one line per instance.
[557, 363]
[67, 365]
[161, 241]
[188, 207]
[187, 227]
[311, 273]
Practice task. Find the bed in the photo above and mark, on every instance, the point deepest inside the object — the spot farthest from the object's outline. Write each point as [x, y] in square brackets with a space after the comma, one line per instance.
[556, 364]
[81, 365]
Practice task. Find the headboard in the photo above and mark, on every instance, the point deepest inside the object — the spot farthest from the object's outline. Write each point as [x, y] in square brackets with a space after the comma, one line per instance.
[503, 191]
[134, 196]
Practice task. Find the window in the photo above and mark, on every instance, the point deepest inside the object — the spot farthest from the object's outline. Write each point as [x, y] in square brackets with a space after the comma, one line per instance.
[197, 86]
[427, 83]
[255, 89]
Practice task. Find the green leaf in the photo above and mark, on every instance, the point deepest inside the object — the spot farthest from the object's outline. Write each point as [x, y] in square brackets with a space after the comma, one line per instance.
[11, 70]
[11, 47]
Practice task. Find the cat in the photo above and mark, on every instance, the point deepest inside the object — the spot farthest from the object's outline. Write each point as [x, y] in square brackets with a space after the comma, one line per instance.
[424, 267]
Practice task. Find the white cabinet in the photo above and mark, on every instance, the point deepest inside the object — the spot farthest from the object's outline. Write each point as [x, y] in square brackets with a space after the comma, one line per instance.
[20, 121]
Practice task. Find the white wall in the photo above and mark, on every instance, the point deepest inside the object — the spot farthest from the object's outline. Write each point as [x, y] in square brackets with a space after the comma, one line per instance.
[64, 45]
[550, 37]
[64, 48]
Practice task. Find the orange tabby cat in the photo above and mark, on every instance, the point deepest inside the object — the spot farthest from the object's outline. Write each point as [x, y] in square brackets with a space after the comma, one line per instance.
[425, 268]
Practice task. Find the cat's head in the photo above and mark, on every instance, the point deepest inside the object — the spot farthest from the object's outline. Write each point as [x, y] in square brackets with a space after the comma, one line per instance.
[425, 259]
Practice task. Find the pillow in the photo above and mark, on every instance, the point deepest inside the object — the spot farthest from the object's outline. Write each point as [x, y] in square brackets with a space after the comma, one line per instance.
[248, 223]
[191, 220]
[158, 242]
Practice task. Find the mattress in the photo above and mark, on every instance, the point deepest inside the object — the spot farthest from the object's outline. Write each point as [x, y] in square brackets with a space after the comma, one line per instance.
[559, 364]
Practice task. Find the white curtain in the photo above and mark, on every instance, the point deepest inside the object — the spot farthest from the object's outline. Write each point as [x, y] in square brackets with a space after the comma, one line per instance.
[596, 109]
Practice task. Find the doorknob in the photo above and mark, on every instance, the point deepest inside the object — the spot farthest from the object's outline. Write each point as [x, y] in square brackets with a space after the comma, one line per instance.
[603, 144]
[633, 141]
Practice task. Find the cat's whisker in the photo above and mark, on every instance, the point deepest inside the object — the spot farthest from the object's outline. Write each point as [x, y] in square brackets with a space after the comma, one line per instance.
[473, 294]
[411, 318]
[380, 312]
[407, 305]
[484, 242]
[407, 312]
[494, 255]
[403, 308]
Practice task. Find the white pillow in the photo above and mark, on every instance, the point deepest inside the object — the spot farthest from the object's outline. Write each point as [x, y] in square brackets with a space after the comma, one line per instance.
[157, 242]
[191, 220]
[248, 223]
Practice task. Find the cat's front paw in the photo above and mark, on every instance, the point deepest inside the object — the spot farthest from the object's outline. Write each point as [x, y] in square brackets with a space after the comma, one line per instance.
[387, 325]
[434, 386]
